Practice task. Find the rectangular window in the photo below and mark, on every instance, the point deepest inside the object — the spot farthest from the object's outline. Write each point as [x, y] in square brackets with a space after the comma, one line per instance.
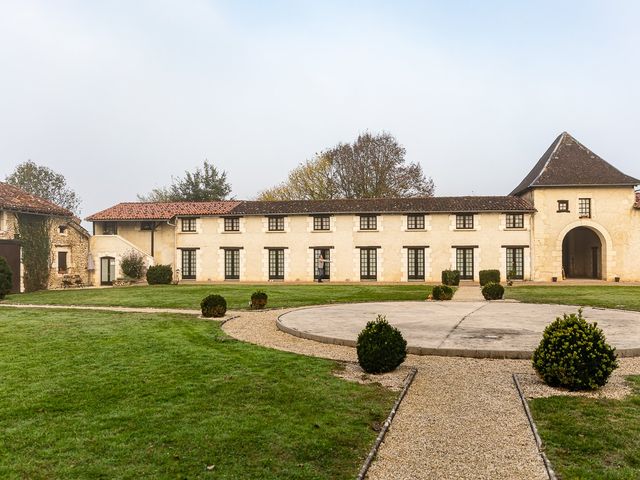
[368, 222]
[62, 229]
[276, 224]
[515, 220]
[464, 221]
[584, 207]
[109, 228]
[322, 222]
[415, 257]
[232, 264]
[62, 262]
[276, 264]
[563, 205]
[232, 224]
[368, 264]
[515, 263]
[189, 264]
[146, 225]
[464, 263]
[188, 224]
[415, 222]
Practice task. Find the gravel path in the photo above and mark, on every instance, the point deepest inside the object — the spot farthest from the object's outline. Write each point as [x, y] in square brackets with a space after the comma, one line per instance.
[461, 419]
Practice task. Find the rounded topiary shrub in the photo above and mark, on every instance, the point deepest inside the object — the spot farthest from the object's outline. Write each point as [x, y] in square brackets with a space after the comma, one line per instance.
[159, 275]
[451, 277]
[488, 276]
[381, 347]
[442, 292]
[213, 306]
[574, 354]
[493, 291]
[6, 278]
[258, 300]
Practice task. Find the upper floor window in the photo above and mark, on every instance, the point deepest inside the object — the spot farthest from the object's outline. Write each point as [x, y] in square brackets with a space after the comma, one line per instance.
[276, 224]
[63, 230]
[322, 222]
[415, 222]
[515, 220]
[368, 222]
[146, 226]
[109, 228]
[189, 224]
[584, 207]
[232, 224]
[464, 221]
[563, 205]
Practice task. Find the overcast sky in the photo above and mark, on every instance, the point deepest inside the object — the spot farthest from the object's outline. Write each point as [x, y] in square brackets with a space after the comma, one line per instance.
[120, 95]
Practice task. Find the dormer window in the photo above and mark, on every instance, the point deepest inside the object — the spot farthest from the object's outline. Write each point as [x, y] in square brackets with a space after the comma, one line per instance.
[563, 206]
[584, 207]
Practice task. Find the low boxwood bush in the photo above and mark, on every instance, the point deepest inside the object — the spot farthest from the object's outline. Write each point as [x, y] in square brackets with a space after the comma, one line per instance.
[258, 300]
[451, 277]
[159, 275]
[493, 291]
[6, 278]
[442, 292]
[213, 306]
[381, 347]
[487, 276]
[574, 354]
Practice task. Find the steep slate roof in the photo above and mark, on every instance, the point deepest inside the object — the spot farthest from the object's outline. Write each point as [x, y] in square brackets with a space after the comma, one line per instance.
[386, 205]
[568, 163]
[16, 199]
[161, 210]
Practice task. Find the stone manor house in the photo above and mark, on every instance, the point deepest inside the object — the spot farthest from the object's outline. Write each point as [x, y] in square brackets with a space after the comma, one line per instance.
[573, 216]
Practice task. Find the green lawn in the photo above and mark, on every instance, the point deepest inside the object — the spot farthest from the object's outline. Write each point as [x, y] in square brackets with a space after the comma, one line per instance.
[237, 295]
[609, 296]
[114, 395]
[591, 439]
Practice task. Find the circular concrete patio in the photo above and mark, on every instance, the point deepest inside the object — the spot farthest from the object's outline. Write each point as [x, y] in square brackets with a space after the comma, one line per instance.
[467, 329]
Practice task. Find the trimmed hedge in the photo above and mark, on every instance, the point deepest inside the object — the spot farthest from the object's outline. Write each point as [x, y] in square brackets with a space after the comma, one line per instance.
[574, 354]
[493, 291]
[259, 300]
[6, 278]
[451, 277]
[213, 306]
[159, 275]
[487, 276]
[442, 292]
[381, 347]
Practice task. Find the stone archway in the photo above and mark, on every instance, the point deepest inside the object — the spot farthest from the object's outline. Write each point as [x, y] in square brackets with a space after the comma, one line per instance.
[582, 254]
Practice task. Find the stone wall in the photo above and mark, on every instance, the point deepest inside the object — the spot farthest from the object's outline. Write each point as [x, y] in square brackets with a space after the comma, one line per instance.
[75, 241]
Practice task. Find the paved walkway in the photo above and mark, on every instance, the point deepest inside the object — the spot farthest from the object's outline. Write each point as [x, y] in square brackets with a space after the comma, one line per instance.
[468, 293]
[472, 329]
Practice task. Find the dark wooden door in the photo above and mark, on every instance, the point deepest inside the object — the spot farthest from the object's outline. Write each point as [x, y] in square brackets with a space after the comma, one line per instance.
[10, 250]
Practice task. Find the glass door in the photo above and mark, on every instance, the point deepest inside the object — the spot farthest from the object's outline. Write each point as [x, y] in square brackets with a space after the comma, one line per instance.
[464, 263]
[107, 270]
[415, 257]
[325, 266]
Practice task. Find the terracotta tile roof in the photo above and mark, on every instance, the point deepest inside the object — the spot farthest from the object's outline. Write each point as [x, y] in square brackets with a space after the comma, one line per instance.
[567, 163]
[386, 205]
[16, 199]
[161, 210]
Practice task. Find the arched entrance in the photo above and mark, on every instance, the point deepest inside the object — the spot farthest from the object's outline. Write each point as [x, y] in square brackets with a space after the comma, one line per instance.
[582, 254]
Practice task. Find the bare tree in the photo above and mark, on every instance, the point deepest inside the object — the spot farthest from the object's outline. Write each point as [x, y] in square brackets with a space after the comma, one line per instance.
[374, 166]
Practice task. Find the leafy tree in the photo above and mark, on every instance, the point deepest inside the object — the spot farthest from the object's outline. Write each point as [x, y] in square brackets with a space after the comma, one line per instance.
[204, 184]
[374, 166]
[44, 182]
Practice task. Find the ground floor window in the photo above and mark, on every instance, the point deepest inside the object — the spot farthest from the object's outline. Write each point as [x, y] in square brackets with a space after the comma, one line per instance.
[515, 263]
[415, 258]
[276, 264]
[368, 264]
[232, 264]
[189, 264]
[62, 262]
[464, 262]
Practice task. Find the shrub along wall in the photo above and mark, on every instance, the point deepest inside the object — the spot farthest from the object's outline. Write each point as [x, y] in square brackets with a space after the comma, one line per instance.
[33, 232]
